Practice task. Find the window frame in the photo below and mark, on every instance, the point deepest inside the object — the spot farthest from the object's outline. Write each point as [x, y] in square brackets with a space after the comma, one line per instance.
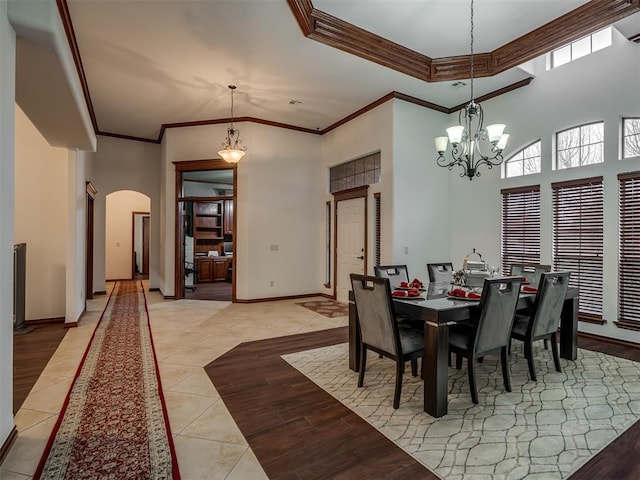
[623, 137]
[525, 202]
[580, 146]
[521, 151]
[575, 235]
[570, 45]
[628, 251]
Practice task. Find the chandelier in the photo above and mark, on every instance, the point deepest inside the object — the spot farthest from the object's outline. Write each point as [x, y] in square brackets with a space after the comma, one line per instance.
[471, 144]
[231, 151]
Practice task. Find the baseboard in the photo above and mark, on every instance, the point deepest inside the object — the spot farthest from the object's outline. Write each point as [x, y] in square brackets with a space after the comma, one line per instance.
[614, 341]
[169, 297]
[101, 292]
[45, 321]
[154, 289]
[6, 446]
[275, 299]
[70, 324]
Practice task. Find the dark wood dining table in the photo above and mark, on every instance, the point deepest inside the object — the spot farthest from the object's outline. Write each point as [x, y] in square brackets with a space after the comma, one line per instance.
[439, 312]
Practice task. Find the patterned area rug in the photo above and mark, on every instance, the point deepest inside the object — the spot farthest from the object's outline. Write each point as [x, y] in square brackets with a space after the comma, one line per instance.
[114, 422]
[541, 430]
[328, 308]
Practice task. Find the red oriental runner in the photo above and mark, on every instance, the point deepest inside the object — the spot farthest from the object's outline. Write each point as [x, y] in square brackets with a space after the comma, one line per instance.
[114, 421]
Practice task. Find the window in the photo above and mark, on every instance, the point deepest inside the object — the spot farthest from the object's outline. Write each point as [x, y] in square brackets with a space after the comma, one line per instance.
[579, 146]
[525, 162]
[629, 251]
[520, 235]
[578, 238]
[580, 48]
[630, 137]
[356, 173]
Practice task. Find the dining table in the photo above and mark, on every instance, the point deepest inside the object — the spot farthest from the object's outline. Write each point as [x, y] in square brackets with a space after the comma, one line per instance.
[439, 311]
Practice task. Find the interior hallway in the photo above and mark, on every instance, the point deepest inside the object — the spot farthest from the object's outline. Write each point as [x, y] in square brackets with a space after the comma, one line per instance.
[187, 335]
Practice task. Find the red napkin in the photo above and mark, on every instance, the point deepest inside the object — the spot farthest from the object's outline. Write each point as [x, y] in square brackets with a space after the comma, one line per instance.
[528, 289]
[460, 293]
[416, 283]
[404, 284]
[412, 292]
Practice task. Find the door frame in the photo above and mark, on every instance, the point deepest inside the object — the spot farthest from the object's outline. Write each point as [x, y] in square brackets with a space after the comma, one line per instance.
[358, 192]
[133, 240]
[89, 239]
[194, 166]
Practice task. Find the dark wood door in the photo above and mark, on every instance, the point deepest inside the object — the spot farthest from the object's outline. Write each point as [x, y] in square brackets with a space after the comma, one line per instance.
[145, 245]
[204, 270]
[89, 250]
[220, 269]
[228, 217]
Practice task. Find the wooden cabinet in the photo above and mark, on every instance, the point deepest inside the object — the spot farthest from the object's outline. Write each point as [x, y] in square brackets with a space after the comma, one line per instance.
[211, 269]
[207, 226]
[228, 217]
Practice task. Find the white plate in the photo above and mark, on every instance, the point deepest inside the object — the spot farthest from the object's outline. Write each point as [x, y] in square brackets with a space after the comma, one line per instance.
[410, 288]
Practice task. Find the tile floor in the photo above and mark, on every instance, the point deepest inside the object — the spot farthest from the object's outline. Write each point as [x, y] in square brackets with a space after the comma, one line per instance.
[188, 334]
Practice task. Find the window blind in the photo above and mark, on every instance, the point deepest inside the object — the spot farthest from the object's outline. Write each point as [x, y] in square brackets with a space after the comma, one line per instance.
[578, 239]
[629, 251]
[520, 233]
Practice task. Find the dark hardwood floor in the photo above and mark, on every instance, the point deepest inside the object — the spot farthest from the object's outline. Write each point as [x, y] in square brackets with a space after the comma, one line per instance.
[298, 431]
[220, 291]
[31, 353]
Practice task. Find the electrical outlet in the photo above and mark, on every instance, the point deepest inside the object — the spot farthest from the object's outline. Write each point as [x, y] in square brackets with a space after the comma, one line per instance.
[274, 248]
[271, 283]
[406, 250]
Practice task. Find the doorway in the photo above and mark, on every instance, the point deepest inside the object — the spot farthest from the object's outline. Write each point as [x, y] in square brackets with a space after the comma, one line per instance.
[205, 230]
[140, 243]
[351, 239]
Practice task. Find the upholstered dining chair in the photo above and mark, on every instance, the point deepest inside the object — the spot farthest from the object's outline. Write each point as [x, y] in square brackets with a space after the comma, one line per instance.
[395, 273]
[542, 322]
[440, 272]
[531, 271]
[381, 332]
[491, 331]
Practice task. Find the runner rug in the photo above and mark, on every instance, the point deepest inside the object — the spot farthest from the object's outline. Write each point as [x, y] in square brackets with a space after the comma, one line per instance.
[114, 423]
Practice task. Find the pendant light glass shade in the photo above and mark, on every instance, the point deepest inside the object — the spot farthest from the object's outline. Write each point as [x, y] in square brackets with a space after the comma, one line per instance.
[232, 151]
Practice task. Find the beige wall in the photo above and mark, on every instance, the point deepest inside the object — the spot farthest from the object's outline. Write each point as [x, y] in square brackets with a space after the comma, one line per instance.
[119, 231]
[41, 186]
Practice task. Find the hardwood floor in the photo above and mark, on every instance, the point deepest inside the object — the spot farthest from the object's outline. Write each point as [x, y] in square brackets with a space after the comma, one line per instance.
[31, 352]
[297, 431]
[220, 291]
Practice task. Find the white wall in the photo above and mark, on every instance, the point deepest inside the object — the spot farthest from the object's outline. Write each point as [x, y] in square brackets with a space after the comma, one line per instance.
[603, 86]
[41, 218]
[7, 114]
[421, 190]
[279, 202]
[125, 165]
[363, 135]
[119, 231]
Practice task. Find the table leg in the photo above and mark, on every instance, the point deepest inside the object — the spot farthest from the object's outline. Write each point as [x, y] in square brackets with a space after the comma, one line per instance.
[569, 329]
[436, 365]
[354, 339]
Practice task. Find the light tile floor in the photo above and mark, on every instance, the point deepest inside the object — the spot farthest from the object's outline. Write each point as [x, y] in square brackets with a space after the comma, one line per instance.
[187, 334]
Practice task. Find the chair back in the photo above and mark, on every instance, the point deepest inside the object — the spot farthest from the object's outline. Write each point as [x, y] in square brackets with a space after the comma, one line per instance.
[440, 272]
[530, 271]
[497, 312]
[378, 326]
[547, 308]
[395, 273]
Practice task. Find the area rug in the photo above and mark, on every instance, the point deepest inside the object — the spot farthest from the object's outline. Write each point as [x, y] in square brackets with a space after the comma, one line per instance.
[114, 421]
[544, 430]
[328, 308]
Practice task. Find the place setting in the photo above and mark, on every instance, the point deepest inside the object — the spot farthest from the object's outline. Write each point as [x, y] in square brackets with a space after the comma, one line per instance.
[413, 290]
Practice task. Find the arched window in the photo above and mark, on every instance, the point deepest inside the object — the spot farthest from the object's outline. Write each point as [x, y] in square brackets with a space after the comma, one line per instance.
[524, 162]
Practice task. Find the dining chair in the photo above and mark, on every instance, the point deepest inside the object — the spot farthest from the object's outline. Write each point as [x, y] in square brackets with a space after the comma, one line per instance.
[542, 322]
[395, 273]
[381, 332]
[440, 272]
[530, 271]
[491, 331]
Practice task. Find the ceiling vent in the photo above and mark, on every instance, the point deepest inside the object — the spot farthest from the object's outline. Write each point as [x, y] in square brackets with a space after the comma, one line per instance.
[458, 84]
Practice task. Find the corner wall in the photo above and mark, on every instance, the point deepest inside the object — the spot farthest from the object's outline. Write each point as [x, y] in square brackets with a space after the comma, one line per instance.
[7, 114]
[602, 86]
